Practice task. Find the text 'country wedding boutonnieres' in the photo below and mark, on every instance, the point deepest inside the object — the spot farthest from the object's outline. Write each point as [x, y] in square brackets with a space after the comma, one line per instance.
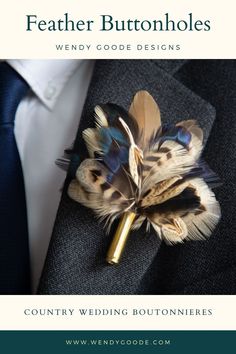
[140, 170]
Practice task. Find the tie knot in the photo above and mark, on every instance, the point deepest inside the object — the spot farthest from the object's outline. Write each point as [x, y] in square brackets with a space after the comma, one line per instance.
[12, 89]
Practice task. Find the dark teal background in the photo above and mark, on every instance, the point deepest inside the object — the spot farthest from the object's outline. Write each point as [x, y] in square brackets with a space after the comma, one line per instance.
[184, 342]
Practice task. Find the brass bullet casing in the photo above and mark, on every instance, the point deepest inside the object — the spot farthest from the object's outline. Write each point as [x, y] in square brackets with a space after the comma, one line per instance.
[120, 238]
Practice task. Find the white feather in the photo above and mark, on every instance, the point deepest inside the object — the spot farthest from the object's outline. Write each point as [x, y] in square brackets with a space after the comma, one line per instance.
[101, 119]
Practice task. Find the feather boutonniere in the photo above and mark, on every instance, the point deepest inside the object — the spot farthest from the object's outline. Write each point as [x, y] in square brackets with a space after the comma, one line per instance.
[141, 170]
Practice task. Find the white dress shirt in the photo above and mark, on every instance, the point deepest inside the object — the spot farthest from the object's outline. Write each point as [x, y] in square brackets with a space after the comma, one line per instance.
[46, 124]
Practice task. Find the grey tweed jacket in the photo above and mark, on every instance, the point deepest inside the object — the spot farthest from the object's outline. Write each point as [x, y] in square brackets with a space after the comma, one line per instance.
[75, 264]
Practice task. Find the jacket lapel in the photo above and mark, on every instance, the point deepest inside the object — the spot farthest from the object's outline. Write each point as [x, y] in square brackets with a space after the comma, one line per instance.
[76, 258]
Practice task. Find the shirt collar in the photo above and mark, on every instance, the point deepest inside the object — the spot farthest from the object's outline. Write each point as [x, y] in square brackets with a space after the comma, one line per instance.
[47, 78]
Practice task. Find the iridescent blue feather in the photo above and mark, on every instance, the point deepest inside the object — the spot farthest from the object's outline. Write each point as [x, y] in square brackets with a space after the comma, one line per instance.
[175, 133]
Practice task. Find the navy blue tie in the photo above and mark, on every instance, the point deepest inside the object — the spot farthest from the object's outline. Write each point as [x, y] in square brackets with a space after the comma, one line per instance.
[14, 249]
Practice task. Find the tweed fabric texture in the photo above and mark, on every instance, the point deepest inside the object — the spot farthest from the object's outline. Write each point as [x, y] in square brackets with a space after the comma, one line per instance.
[76, 258]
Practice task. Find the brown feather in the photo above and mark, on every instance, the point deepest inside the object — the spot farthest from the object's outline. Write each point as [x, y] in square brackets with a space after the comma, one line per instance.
[159, 195]
[147, 115]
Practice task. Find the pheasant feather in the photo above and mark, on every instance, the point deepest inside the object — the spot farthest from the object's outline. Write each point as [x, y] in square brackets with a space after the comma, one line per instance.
[148, 170]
